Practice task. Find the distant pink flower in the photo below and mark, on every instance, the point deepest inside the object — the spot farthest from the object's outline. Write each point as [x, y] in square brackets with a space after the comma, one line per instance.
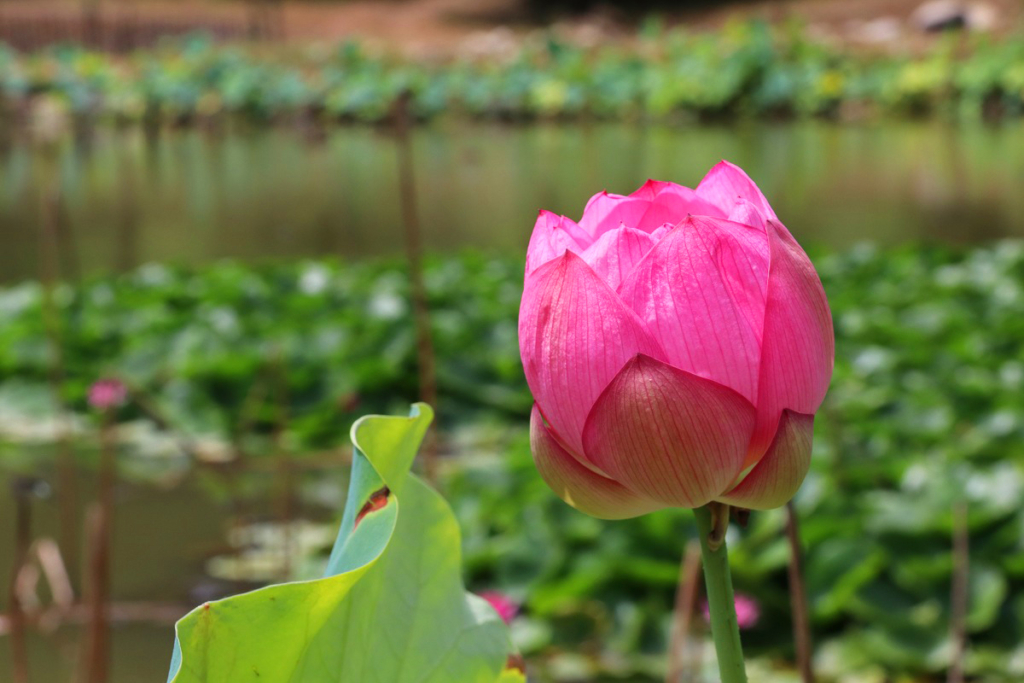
[747, 611]
[677, 343]
[506, 608]
[105, 394]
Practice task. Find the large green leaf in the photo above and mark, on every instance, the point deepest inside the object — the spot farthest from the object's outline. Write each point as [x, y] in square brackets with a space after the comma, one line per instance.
[391, 607]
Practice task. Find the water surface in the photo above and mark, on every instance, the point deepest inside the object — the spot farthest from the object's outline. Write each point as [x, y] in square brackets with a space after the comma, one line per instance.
[194, 196]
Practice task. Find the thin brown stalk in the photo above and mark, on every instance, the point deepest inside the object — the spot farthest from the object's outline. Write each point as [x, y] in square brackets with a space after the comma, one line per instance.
[97, 664]
[50, 566]
[285, 512]
[16, 617]
[414, 255]
[254, 398]
[681, 658]
[127, 214]
[798, 597]
[247, 415]
[67, 488]
[56, 572]
[959, 593]
[69, 263]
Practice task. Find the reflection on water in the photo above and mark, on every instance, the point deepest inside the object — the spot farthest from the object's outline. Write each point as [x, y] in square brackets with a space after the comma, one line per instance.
[169, 531]
[163, 536]
[196, 195]
[141, 653]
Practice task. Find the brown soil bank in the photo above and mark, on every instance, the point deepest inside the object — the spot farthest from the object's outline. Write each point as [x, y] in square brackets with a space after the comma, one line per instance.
[440, 28]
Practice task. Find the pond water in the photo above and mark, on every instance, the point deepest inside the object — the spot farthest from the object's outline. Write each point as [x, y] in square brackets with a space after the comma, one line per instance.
[163, 535]
[190, 197]
[194, 196]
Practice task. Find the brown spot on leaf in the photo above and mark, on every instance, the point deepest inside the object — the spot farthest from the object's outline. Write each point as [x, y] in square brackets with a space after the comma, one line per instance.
[515, 662]
[376, 501]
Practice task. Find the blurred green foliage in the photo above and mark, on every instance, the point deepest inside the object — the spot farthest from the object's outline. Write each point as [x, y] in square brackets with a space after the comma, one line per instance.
[743, 69]
[208, 345]
[926, 410]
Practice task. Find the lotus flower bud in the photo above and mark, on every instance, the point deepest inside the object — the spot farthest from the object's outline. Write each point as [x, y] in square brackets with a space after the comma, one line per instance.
[506, 607]
[677, 343]
[105, 394]
[748, 611]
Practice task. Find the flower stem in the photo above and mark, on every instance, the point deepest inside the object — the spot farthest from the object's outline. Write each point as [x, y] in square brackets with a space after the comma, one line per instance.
[711, 520]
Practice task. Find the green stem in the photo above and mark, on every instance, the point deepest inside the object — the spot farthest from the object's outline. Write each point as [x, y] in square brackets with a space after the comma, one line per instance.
[724, 628]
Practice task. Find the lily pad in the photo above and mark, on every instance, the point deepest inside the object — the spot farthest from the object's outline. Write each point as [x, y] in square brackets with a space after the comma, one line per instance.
[392, 606]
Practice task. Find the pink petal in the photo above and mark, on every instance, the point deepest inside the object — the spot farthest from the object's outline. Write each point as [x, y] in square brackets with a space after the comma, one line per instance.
[506, 607]
[578, 486]
[575, 335]
[745, 213]
[777, 476]
[667, 434]
[671, 203]
[748, 612]
[107, 393]
[727, 183]
[798, 346]
[658, 234]
[616, 252]
[650, 207]
[606, 212]
[552, 236]
[701, 293]
[652, 188]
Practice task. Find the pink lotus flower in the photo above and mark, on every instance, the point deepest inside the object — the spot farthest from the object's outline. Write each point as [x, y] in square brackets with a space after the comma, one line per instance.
[105, 394]
[506, 608]
[748, 612]
[677, 343]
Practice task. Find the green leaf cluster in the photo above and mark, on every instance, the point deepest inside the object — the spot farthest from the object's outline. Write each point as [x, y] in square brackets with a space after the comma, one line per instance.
[742, 69]
[212, 349]
[926, 410]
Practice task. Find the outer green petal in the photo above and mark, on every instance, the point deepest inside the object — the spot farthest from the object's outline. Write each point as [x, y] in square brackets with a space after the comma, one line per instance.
[579, 486]
[777, 476]
[668, 434]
